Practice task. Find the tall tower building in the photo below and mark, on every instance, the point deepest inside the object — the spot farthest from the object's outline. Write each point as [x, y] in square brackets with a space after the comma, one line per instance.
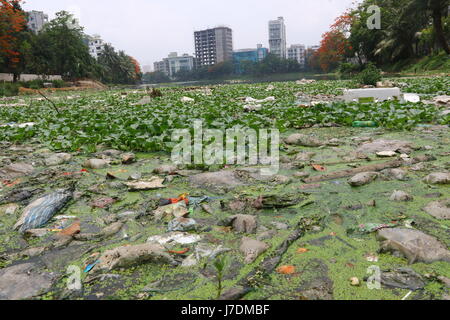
[277, 37]
[213, 46]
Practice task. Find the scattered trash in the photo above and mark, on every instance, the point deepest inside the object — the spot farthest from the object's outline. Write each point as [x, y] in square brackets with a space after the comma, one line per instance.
[286, 270]
[175, 238]
[372, 95]
[354, 281]
[182, 224]
[365, 124]
[143, 185]
[39, 212]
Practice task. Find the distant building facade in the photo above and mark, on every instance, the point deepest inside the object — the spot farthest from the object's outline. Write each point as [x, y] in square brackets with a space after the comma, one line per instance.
[251, 55]
[277, 38]
[162, 66]
[174, 64]
[96, 45]
[297, 52]
[213, 46]
[36, 20]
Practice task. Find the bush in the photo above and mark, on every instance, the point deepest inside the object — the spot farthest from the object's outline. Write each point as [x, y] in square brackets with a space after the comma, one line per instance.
[34, 84]
[370, 75]
[59, 84]
[348, 70]
[9, 89]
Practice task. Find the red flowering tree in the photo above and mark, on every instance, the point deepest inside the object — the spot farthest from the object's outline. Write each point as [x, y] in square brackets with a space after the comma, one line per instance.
[137, 68]
[335, 45]
[12, 22]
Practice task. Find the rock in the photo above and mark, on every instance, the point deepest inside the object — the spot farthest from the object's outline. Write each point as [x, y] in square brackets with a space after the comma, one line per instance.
[386, 145]
[58, 159]
[415, 245]
[242, 223]
[320, 287]
[182, 224]
[225, 178]
[280, 225]
[129, 256]
[128, 158]
[418, 167]
[386, 154]
[204, 250]
[305, 156]
[16, 170]
[175, 238]
[36, 233]
[175, 210]
[265, 235]
[299, 139]
[439, 209]
[401, 196]
[148, 184]
[96, 164]
[444, 100]
[398, 174]
[403, 278]
[252, 249]
[24, 281]
[362, 179]
[9, 209]
[301, 175]
[438, 178]
[165, 169]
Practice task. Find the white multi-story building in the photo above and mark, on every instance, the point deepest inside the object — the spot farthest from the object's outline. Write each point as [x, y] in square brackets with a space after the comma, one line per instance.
[277, 37]
[96, 45]
[174, 64]
[36, 20]
[297, 52]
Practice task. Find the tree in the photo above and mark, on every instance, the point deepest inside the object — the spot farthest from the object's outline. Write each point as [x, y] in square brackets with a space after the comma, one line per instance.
[69, 53]
[335, 46]
[12, 23]
[437, 9]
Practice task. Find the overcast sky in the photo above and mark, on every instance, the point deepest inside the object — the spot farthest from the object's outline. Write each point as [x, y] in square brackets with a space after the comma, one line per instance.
[149, 29]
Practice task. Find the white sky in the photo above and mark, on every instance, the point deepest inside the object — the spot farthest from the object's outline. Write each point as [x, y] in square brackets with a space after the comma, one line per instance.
[150, 29]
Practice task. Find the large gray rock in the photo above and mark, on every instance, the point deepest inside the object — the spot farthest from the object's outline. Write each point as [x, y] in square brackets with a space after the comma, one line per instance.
[414, 245]
[299, 139]
[24, 281]
[252, 249]
[57, 159]
[438, 178]
[225, 178]
[403, 278]
[242, 223]
[399, 195]
[386, 145]
[130, 256]
[362, 179]
[16, 170]
[96, 164]
[439, 209]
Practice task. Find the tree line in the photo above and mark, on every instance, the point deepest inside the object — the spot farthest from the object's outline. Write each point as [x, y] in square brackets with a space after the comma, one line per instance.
[61, 48]
[409, 29]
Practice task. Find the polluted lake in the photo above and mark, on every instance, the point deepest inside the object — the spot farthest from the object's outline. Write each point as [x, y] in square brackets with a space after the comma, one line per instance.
[93, 205]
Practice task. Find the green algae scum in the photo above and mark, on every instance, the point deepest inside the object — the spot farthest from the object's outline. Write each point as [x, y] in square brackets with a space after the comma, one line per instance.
[354, 212]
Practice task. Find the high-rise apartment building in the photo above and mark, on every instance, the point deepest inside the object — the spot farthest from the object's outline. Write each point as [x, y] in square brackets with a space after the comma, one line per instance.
[213, 46]
[277, 37]
[36, 20]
